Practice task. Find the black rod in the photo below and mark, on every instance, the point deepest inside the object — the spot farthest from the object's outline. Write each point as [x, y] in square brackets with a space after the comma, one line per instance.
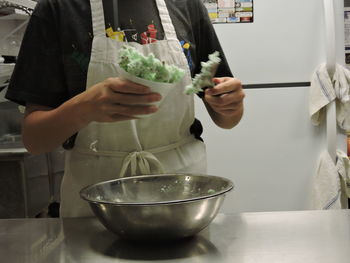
[277, 85]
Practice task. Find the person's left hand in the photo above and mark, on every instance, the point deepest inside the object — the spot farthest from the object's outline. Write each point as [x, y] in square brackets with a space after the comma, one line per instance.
[226, 97]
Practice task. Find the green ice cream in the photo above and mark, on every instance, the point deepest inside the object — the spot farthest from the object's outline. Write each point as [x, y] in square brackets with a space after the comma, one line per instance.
[204, 78]
[148, 67]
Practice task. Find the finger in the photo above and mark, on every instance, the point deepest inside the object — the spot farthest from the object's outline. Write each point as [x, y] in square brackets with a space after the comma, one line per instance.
[233, 107]
[225, 99]
[229, 112]
[130, 111]
[220, 80]
[118, 117]
[126, 86]
[133, 99]
[225, 86]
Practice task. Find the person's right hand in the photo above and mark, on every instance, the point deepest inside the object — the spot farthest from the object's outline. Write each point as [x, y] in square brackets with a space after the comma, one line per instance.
[116, 99]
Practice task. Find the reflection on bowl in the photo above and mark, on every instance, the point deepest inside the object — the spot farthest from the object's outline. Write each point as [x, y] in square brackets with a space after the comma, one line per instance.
[157, 207]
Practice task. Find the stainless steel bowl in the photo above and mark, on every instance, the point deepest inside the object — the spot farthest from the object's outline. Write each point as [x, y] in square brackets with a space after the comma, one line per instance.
[157, 207]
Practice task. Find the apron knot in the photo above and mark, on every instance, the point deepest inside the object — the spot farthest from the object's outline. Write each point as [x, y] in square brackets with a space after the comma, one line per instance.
[140, 163]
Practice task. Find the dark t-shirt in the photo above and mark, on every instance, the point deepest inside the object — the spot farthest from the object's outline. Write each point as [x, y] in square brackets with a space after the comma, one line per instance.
[54, 56]
[140, 25]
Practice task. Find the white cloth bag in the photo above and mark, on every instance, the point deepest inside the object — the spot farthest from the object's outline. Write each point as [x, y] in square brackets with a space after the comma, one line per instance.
[161, 88]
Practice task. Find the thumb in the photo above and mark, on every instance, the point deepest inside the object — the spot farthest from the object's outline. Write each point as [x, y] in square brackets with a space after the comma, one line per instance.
[217, 80]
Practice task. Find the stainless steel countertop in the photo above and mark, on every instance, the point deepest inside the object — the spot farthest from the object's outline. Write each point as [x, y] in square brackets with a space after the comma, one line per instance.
[273, 237]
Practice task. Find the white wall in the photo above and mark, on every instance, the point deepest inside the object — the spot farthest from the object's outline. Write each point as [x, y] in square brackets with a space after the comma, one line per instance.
[272, 154]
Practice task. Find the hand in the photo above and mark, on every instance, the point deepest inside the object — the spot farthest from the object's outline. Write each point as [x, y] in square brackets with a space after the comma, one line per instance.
[226, 97]
[116, 99]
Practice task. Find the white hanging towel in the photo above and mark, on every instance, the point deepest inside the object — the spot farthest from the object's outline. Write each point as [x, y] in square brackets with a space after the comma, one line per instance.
[343, 168]
[330, 186]
[324, 90]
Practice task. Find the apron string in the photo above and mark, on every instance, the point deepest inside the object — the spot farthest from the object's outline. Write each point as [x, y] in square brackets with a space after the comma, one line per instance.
[98, 18]
[167, 24]
[137, 160]
[94, 149]
[142, 161]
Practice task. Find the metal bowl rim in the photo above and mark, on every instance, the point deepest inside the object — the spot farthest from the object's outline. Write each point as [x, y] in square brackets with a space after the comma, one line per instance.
[227, 189]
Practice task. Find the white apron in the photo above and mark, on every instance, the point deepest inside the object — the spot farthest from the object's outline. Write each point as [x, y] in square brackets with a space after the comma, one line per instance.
[160, 143]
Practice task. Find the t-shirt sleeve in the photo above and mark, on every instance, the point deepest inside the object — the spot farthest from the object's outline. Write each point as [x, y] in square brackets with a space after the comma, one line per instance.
[207, 42]
[38, 75]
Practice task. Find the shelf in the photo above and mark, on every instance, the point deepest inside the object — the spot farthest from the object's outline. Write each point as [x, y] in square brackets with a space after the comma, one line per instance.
[2, 87]
[13, 52]
[14, 16]
[9, 51]
[26, 3]
[5, 73]
[4, 81]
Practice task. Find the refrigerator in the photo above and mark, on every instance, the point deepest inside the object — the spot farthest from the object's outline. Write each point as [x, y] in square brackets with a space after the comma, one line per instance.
[271, 156]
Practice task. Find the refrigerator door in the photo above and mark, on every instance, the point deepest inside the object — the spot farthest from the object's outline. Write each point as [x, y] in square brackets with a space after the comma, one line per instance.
[271, 155]
[284, 44]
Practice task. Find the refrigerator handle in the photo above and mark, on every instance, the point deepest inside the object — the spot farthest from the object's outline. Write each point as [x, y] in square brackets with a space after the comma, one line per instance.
[331, 120]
